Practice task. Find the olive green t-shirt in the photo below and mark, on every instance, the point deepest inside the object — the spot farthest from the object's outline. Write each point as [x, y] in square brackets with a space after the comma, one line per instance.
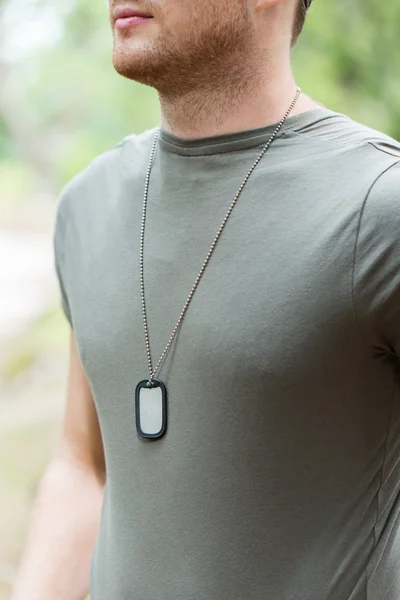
[279, 475]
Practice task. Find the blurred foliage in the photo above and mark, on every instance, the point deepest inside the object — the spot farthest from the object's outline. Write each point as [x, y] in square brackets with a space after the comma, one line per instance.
[62, 103]
[24, 454]
[74, 106]
[348, 58]
[44, 336]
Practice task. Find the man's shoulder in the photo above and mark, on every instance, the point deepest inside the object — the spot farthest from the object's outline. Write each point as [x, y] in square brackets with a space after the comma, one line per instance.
[341, 131]
[361, 160]
[107, 169]
[383, 201]
[373, 139]
[113, 160]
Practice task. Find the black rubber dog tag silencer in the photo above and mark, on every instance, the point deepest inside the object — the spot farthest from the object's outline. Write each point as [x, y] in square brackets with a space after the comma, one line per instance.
[151, 409]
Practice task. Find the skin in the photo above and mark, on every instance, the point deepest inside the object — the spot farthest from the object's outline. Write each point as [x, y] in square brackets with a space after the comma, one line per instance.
[218, 66]
[66, 514]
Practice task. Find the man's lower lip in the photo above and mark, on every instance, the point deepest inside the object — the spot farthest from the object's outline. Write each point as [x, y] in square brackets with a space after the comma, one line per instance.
[131, 22]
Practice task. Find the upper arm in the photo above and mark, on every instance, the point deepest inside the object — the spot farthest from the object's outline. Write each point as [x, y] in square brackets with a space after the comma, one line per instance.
[81, 440]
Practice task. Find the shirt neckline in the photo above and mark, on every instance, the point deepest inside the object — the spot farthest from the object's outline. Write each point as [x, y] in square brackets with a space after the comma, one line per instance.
[238, 140]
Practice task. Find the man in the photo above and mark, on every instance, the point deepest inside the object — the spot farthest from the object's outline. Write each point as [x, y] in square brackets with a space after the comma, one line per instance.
[266, 464]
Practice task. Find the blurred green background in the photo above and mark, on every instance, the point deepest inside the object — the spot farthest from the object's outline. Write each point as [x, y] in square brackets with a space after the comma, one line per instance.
[60, 105]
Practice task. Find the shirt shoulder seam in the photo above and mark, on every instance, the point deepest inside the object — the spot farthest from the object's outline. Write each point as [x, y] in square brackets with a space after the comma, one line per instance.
[363, 142]
[354, 259]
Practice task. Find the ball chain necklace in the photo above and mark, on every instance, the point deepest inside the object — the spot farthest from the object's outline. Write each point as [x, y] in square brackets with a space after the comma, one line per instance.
[151, 393]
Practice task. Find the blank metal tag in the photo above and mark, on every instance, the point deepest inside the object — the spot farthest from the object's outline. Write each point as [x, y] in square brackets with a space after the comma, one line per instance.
[151, 409]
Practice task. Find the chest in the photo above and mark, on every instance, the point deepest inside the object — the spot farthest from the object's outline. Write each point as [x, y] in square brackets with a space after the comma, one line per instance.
[276, 290]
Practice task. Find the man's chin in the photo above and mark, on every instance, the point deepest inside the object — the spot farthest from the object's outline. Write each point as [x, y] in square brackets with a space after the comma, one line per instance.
[137, 68]
[127, 65]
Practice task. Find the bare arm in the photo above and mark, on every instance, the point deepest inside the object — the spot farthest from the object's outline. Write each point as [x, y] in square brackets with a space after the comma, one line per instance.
[67, 509]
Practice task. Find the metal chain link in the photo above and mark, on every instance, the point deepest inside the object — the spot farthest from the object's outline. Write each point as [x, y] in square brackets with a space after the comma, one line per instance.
[152, 372]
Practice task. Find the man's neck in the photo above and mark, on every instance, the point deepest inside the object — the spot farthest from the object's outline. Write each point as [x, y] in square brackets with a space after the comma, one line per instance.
[230, 108]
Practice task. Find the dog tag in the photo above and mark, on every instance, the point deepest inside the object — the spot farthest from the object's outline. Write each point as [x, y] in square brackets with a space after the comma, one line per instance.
[151, 409]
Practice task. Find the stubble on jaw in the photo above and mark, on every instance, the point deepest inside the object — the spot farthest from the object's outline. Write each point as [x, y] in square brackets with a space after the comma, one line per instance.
[203, 64]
